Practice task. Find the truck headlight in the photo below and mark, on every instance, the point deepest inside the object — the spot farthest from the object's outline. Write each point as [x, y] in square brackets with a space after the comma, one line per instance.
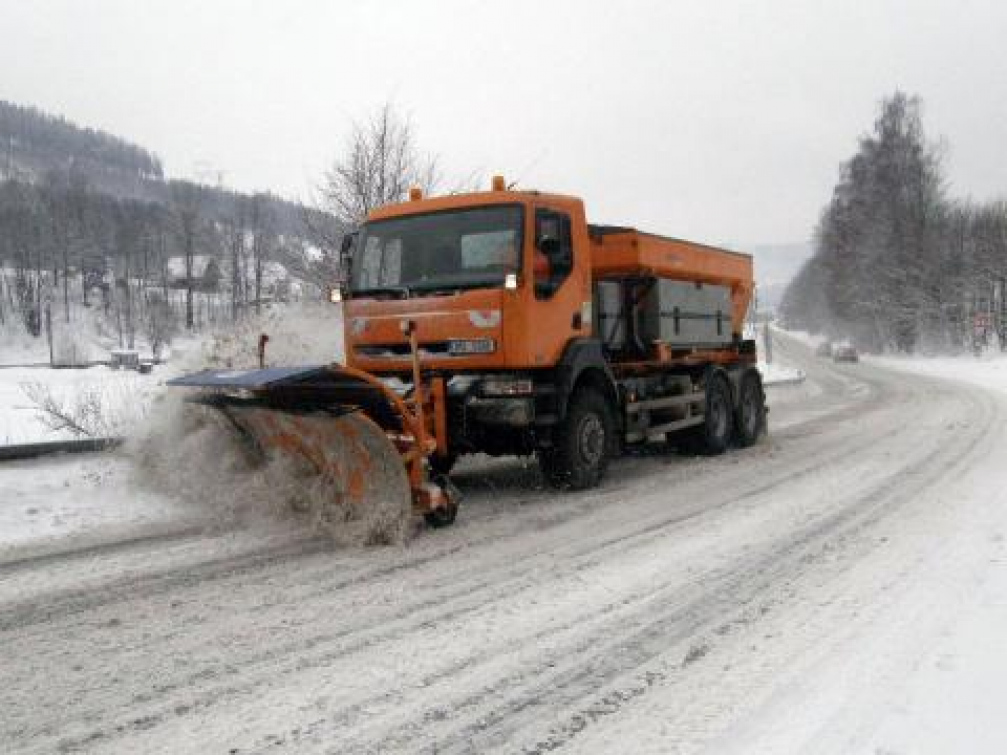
[459, 346]
[507, 386]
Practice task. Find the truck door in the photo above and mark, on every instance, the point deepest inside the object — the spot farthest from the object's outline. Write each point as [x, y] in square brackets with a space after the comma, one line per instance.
[556, 305]
[553, 252]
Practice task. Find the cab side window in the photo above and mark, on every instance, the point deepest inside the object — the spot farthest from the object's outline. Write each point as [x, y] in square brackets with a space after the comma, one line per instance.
[553, 251]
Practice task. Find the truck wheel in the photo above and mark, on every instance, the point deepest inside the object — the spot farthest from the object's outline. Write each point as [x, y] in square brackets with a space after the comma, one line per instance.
[579, 456]
[714, 435]
[750, 418]
[443, 517]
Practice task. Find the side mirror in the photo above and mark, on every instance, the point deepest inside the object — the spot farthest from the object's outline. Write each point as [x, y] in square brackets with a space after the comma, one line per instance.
[349, 241]
[346, 246]
[548, 245]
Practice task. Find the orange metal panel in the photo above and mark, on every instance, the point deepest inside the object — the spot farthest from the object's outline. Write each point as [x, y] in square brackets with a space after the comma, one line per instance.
[632, 253]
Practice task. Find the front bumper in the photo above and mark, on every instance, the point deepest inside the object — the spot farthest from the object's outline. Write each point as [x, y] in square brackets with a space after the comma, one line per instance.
[508, 411]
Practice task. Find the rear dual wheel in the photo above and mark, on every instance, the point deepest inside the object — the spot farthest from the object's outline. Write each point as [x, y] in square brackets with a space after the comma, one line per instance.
[750, 417]
[713, 436]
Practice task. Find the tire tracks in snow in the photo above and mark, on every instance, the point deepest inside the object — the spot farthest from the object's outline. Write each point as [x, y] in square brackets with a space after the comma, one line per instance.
[470, 595]
[866, 512]
[677, 625]
[345, 719]
[446, 605]
[76, 601]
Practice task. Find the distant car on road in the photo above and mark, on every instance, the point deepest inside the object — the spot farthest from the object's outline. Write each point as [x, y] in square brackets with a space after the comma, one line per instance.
[845, 354]
[824, 349]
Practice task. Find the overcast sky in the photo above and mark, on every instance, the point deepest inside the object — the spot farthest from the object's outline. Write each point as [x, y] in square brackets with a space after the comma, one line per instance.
[719, 121]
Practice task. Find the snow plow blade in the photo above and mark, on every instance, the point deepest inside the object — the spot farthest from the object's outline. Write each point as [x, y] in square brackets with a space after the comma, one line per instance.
[364, 441]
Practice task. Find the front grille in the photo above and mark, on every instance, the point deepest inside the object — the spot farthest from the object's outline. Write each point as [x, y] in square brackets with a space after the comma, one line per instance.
[401, 350]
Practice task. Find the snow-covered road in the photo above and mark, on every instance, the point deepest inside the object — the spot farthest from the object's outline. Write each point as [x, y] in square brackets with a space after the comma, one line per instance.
[799, 596]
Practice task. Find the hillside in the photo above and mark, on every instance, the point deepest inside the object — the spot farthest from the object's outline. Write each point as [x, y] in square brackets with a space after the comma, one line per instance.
[33, 143]
[99, 243]
[38, 147]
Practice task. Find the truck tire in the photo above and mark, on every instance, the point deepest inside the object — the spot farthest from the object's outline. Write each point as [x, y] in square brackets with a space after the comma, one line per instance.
[713, 436]
[750, 417]
[440, 518]
[579, 454]
[446, 515]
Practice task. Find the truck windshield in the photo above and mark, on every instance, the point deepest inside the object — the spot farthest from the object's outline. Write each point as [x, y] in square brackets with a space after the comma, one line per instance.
[439, 251]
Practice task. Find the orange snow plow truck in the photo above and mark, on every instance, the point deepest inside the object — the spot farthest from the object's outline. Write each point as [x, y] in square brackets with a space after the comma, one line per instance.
[502, 322]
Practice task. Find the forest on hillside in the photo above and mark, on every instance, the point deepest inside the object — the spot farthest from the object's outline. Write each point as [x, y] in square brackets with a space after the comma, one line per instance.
[898, 265]
[91, 230]
[33, 142]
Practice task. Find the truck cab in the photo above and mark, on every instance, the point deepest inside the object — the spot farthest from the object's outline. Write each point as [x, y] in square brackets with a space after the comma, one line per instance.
[492, 280]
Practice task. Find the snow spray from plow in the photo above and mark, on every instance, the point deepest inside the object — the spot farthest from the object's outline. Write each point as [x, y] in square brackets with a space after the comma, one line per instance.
[365, 443]
[359, 475]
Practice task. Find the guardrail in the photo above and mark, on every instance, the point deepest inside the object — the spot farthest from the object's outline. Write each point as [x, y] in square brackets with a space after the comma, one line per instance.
[50, 448]
[49, 365]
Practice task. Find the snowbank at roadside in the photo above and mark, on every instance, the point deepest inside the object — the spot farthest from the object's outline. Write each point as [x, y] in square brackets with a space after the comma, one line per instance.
[808, 339]
[121, 397]
[946, 695]
[987, 371]
[73, 498]
[780, 374]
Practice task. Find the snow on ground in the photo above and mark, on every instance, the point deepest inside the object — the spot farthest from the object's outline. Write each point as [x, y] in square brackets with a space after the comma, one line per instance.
[80, 499]
[306, 333]
[17, 347]
[988, 371]
[840, 587]
[779, 373]
[929, 678]
[802, 336]
[954, 700]
[167, 473]
[122, 396]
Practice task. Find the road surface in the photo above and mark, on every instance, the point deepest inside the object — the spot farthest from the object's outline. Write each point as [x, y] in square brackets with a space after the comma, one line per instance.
[768, 600]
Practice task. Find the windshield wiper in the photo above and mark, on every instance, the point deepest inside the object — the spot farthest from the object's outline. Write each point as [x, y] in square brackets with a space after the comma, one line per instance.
[402, 291]
[454, 287]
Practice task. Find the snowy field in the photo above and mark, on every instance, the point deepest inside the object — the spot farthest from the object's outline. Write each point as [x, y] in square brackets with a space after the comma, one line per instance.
[122, 395]
[80, 499]
[840, 587]
[123, 398]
